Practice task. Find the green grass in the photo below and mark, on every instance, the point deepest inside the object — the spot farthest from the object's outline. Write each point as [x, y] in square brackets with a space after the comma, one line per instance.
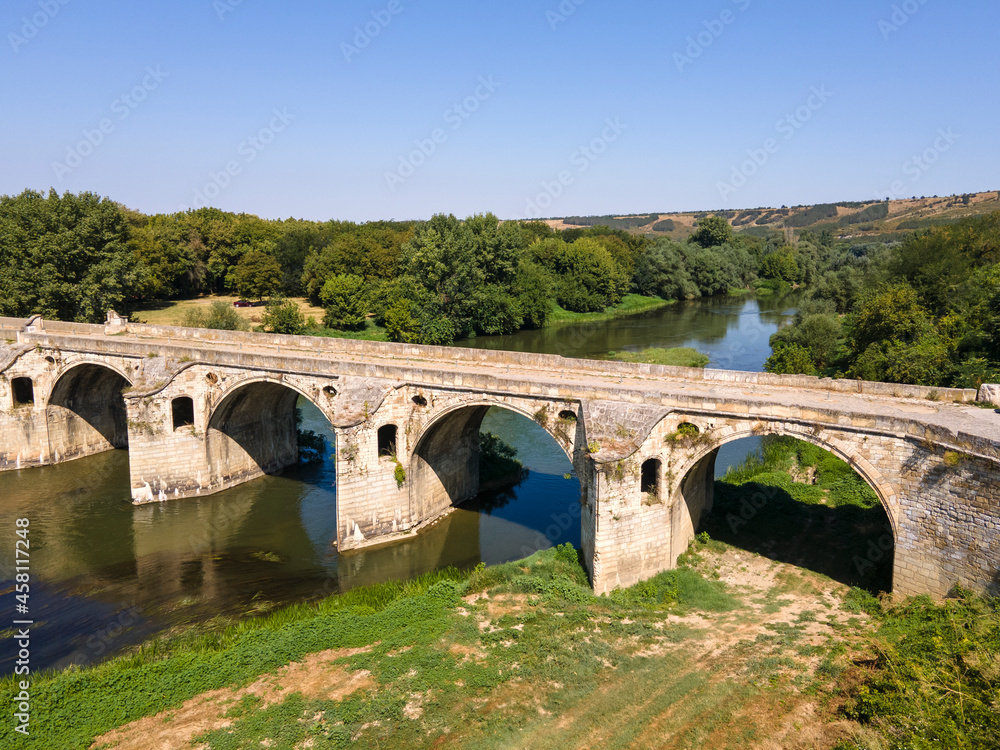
[936, 680]
[631, 304]
[677, 357]
[371, 332]
[70, 708]
[407, 628]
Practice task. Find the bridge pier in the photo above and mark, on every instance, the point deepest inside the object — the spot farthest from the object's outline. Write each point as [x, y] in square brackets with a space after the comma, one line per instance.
[373, 505]
[206, 410]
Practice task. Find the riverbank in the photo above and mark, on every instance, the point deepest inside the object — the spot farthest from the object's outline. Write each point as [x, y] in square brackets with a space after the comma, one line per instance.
[749, 642]
[730, 650]
[631, 304]
[521, 652]
[173, 313]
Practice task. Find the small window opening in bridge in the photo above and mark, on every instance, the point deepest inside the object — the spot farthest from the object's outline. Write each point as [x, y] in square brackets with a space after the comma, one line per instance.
[567, 416]
[50, 360]
[183, 409]
[24, 391]
[420, 400]
[212, 378]
[651, 477]
[330, 392]
[387, 440]
[687, 429]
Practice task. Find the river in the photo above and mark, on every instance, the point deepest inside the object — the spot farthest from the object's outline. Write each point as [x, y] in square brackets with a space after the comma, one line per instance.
[106, 574]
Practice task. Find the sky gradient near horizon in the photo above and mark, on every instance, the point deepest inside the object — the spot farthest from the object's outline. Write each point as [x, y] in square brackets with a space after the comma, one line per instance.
[404, 108]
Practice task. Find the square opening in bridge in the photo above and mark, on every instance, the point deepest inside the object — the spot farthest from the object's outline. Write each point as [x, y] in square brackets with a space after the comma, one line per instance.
[387, 440]
[24, 391]
[651, 477]
[183, 409]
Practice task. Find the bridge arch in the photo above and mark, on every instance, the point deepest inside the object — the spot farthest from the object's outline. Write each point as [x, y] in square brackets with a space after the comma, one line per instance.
[444, 462]
[86, 409]
[695, 474]
[250, 429]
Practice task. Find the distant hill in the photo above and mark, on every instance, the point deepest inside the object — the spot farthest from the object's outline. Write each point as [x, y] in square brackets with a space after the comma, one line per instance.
[848, 219]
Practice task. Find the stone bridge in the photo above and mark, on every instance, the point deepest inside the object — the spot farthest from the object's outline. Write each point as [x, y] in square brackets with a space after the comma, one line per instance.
[201, 411]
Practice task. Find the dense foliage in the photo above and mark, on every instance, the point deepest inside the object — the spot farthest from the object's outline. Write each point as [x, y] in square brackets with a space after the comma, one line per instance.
[73, 257]
[923, 311]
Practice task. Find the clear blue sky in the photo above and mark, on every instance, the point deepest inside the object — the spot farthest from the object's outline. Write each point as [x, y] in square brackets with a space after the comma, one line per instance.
[686, 115]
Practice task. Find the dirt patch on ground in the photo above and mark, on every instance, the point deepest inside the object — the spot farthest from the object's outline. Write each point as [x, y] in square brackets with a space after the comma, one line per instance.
[316, 676]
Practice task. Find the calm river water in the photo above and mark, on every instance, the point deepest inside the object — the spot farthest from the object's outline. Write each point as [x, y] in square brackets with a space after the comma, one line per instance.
[106, 574]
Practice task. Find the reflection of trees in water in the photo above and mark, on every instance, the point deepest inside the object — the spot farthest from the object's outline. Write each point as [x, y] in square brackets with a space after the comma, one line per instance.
[495, 498]
[706, 322]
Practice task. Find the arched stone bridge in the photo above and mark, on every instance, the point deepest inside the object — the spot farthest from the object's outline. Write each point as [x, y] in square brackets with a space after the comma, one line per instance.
[201, 411]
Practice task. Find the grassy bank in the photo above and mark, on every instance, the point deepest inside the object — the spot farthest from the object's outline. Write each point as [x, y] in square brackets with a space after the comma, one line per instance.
[677, 357]
[173, 313]
[805, 506]
[729, 650]
[631, 304]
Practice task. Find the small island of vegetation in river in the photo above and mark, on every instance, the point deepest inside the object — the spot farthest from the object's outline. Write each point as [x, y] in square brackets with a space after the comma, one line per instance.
[677, 357]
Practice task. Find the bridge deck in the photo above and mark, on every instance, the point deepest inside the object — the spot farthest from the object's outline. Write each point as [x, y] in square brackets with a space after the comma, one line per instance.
[893, 408]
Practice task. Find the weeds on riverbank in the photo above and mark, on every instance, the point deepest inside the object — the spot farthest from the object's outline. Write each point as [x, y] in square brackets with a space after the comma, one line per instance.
[936, 678]
[631, 304]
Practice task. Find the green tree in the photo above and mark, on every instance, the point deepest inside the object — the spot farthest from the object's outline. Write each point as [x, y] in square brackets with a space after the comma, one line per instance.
[660, 272]
[790, 359]
[284, 316]
[712, 231]
[533, 288]
[345, 300]
[586, 277]
[400, 323]
[892, 338]
[780, 264]
[219, 316]
[67, 257]
[820, 334]
[257, 275]
[163, 244]
[711, 270]
[890, 313]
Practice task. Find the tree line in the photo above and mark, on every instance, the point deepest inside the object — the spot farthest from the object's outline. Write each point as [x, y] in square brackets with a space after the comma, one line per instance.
[922, 311]
[74, 256]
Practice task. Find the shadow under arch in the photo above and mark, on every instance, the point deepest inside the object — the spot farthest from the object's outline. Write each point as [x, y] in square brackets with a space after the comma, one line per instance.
[444, 463]
[251, 431]
[87, 410]
[696, 491]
